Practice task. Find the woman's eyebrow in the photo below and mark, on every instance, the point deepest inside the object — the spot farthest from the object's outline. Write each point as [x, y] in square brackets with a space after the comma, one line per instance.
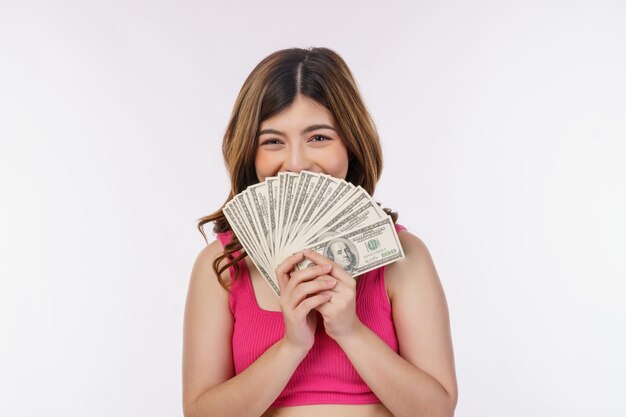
[306, 130]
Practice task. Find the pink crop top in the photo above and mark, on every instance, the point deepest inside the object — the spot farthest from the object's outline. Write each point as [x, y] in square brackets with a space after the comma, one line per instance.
[325, 375]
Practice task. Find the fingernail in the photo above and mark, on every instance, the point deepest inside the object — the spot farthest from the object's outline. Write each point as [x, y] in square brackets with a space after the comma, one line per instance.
[327, 267]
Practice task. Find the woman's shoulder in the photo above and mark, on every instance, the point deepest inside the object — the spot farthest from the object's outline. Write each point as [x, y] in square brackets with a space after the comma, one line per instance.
[416, 269]
[211, 250]
[203, 265]
[412, 244]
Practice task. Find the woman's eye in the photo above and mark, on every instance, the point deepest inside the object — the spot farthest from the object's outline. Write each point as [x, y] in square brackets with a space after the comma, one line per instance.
[273, 141]
[319, 138]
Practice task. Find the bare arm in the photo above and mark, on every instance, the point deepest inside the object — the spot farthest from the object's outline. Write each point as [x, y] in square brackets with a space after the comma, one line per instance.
[251, 392]
[421, 380]
[405, 389]
[210, 387]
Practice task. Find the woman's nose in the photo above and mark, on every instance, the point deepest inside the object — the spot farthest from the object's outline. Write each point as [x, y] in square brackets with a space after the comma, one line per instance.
[297, 159]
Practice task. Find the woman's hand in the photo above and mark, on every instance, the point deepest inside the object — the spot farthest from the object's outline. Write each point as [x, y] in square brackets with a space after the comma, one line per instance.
[301, 292]
[339, 312]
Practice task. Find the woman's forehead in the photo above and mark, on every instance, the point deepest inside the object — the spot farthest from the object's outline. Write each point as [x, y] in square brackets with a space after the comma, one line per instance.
[301, 112]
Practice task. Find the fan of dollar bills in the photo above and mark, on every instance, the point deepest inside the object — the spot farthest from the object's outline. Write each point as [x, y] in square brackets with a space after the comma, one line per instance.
[291, 212]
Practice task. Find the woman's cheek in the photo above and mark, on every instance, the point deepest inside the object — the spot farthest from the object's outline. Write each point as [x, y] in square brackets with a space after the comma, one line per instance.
[263, 164]
[338, 163]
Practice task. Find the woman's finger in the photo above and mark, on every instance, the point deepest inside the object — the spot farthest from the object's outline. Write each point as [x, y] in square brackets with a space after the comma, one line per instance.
[310, 288]
[312, 302]
[326, 308]
[336, 270]
[307, 274]
[282, 270]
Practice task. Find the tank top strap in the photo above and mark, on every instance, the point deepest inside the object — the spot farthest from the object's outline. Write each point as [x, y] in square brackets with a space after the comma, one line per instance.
[225, 239]
[241, 286]
[399, 227]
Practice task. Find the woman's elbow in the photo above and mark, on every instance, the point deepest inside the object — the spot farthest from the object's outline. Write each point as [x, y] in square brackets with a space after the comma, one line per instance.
[188, 409]
[443, 407]
[449, 406]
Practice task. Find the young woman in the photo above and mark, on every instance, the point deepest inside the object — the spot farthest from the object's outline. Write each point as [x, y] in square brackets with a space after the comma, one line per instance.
[332, 345]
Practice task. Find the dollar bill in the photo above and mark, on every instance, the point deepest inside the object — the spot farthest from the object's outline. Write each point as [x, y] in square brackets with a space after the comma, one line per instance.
[272, 202]
[361, 250]
[260, 200]
[291, 182]
[307, 179]
[348, 219]
[347, 197]
[257, 258]
[290, 212]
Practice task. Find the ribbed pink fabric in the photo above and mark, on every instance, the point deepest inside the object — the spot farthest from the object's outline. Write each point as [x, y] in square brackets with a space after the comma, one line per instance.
[325, 376]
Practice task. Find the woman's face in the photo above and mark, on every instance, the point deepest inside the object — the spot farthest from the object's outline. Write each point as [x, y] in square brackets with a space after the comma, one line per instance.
[301, 137]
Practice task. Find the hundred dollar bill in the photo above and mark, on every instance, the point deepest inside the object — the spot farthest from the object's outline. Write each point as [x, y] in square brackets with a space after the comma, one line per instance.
[260, 233]
[350, 218]
[328, 189]
[280, 196]
[306, 185]
[319, 184]
[349, 197]
[244, 238]
[284, 179]
[259, 194]
[336, 190]
[254, 247]
[290, 211]
[272, 197]
[363, 249]
[291, 184]
[240, 226]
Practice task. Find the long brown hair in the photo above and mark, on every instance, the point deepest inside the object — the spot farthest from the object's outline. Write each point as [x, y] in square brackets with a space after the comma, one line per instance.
[316, 73]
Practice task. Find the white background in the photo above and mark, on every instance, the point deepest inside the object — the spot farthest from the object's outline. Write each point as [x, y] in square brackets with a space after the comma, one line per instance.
[503, 125]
